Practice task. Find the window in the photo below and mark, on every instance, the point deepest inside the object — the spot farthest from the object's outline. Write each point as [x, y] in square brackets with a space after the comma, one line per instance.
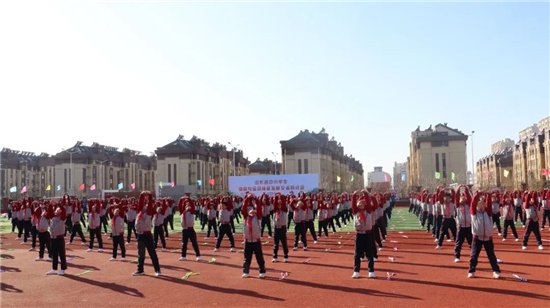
[65, 180]
[189, 174]
[305, 166]
[436, 162]
[444, 164]
[169, 173]
[299, 166]
[175, 175]
[440, 143]
[84, 176]
[94, 174]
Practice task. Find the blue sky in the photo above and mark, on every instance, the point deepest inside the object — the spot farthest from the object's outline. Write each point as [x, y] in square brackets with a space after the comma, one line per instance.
[138, 74]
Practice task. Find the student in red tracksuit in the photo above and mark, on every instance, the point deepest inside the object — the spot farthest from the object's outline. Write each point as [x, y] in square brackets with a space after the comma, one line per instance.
[146, 210]
[224, 213]
[532, 214]
[75, 218]
[482, 230]
[117, 232]
[94, 221]
[364, 224]
[251, 231]
[158, 225]
[298, 207]
[509, 212]
[57, 230]
[463, 220]
[43, 215]
[280, 218]
[186, 206]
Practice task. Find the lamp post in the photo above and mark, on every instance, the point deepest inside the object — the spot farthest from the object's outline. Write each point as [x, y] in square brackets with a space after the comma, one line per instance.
[275, 156]
[234, 147]
[70, 170]
[473, 166]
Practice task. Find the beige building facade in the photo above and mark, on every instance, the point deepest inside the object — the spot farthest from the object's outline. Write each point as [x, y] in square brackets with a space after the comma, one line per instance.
[196, 167]
[437, 156]
[310, 152]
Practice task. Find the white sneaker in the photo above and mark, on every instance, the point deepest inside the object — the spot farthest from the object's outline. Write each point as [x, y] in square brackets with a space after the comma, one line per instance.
[157, 274]
[435, 241]
[274, 260]
[437, 247]
[355, 275]
[49, 259]
[295, 248]
[375, 259]
[245, 275]
[285, 260]
[38, 259]
[517, 240]
[198, 259]
[32, 249]
[68, 243]
[269, 236]
[122, 259]
[163, 249]
[305, 248]
[448, 240]
[61, 273]
[380, 249]
[89, 250]
[524, 247]
[52, 272]
[232, 249]
[100, 250]
[500, 234]
[471, 275]
[314, 242]
[496, 275]
[261, 275]
[183, 258]
[540, 247]
[503, 239]
[457, 260]
[383, 241]
[215, 249]
[138, 274]
[372, 275]
[112, 259]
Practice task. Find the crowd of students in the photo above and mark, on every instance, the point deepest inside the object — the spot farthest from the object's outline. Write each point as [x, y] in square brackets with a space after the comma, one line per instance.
[467, 218]
[473, 218]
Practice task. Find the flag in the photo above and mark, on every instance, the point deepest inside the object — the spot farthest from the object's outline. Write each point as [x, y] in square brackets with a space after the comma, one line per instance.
[24, 189]
[160, 184]
[120, 186]
[453, 176]
[92, 188]
[386, 178]
[352, 178]
[437, 175]
[172, 184]
[212, 182]
[81, 187]
[133, 186]
[545, 171]
[49, 187]
[403, 177]
[58, 187]
[13, 189]
[338, 179]
[506, 173]
[199, 183]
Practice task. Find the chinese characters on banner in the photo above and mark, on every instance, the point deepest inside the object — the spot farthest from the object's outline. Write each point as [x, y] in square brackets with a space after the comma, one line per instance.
[271, 184]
